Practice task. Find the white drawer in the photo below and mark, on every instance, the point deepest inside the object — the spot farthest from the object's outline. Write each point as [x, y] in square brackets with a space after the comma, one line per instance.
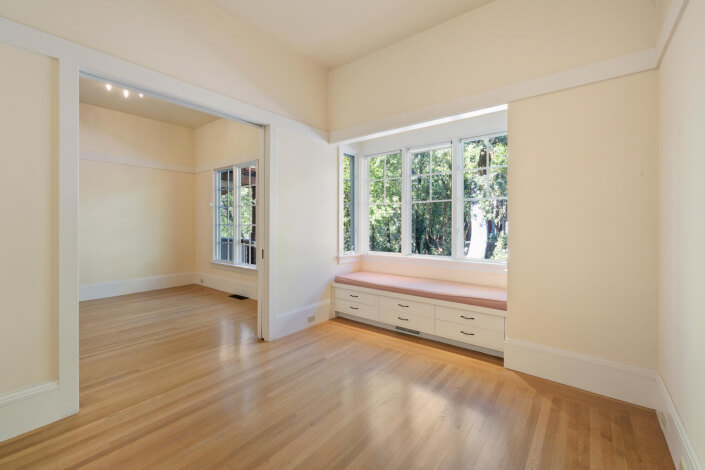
[401, 306]
[411, 321]
[467, 334]
[464, 317]
[357, 309]
[355, 296]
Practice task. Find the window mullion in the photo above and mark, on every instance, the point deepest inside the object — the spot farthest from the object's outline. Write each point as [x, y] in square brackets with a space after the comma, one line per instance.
[365, 206]
[457, 199]
[406, 203]
[237, 178]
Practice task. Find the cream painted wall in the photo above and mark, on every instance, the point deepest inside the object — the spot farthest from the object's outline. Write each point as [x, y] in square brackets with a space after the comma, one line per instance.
[192, 40]
[583, 215]
[681, 358]
[218, 144]
[503, 42]
[134, 222]
[113, 134]
[28, 237]
[306, 213]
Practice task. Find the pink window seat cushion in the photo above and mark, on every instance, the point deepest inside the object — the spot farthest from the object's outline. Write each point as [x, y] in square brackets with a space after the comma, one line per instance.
[489, 297]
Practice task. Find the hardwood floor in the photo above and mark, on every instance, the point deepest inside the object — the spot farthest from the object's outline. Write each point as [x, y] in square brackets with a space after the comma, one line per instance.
[176, 379]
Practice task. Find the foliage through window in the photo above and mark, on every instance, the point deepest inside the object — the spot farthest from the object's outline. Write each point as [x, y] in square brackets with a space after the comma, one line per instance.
[348, 203]
[236, 215]
[432, 201]
[385, 188]
[485, 198]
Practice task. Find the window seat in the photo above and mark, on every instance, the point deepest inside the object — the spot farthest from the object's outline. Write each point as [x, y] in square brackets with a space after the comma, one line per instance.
[468, 294]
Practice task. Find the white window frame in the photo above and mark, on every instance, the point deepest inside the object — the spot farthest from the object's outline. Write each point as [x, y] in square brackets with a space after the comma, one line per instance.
[237, 262]
[365, 213]
[457, 204]
[356, 188]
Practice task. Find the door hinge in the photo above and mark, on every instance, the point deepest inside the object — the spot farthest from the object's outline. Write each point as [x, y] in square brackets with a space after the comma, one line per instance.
[263, 254]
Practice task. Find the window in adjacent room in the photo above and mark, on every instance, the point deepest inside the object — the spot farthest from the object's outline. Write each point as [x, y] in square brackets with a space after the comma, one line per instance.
[236, 215]
[385, 202]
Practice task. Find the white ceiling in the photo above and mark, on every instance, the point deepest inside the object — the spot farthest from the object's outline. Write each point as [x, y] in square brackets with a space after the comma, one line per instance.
[95, 93]
[335, 32]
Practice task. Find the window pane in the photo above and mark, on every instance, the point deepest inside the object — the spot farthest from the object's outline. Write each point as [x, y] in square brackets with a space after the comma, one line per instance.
[498, 150]
[347, 195]
[420, 163]
[347, 229]
[474, 154]
[245, 233]
[393, 191]
[394, 165]
[377, 168]
[385, 228]
[498, 182]
[442, 160]
[376, 192]
[253, 175]
[486, 229]
[442, 187]
[475, 182]
[431, 228]
[347, 162]
[420, 188]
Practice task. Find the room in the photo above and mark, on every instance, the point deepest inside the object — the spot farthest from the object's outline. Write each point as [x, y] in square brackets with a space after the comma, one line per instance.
[457, 234]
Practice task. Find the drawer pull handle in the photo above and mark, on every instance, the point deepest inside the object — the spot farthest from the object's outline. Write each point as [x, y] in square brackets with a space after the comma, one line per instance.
[403, 319]
[467, 318]
[356, 296]
[354, 308]
[469, 334]
[405, 306]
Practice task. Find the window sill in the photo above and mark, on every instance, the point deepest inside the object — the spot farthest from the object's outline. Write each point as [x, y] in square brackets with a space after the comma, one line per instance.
[348, 258]
[435, 262]
[234, 267]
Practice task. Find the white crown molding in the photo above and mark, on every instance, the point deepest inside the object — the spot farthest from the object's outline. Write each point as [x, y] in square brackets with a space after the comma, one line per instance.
[679, 443]
[609, 378]
[668, 29]
[103, 66]
[157, 165]
[129, 161]
[604, 70]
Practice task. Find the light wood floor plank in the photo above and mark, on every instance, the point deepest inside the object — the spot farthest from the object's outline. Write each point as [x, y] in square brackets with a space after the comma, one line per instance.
[176, 379]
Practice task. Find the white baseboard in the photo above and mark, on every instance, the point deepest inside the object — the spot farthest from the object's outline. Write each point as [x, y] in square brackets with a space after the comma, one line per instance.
[612, 379]
[33, 407]
[679, 443]
[102, 290]
[231, 286]
[295, 320]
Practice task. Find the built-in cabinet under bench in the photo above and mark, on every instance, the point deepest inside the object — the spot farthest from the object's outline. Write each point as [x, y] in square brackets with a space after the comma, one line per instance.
[437, 310]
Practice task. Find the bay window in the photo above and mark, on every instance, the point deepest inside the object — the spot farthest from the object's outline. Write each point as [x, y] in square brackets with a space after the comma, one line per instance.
[445, 200]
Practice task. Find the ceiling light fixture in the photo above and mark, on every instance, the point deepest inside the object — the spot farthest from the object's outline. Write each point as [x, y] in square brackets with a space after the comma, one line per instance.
[125, 93]
[141, 95]
[108, 86]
